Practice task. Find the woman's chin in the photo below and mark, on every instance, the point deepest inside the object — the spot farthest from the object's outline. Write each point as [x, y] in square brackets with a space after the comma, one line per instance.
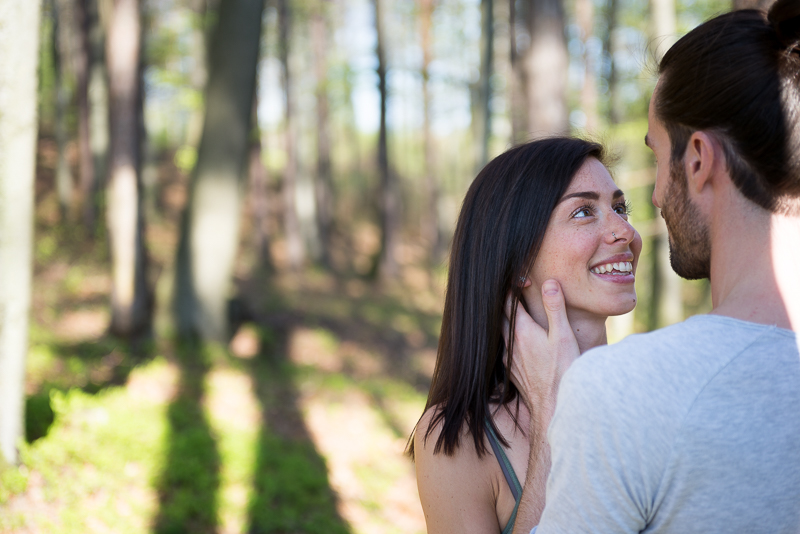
[609, 307]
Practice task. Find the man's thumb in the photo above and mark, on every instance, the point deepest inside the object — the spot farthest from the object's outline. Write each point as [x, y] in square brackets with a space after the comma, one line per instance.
[554, 307]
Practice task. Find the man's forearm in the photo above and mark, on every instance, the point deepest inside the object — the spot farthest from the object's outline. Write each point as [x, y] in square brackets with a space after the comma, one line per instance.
[532, 503]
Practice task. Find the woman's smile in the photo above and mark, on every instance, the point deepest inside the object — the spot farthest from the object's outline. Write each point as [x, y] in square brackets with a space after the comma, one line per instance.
[617, 269]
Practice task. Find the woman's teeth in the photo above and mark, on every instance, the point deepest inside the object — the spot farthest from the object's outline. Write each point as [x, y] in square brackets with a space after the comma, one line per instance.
[621, 268]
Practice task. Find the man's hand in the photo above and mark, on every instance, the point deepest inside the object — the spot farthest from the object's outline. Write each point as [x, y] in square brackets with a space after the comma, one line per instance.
[541, 357]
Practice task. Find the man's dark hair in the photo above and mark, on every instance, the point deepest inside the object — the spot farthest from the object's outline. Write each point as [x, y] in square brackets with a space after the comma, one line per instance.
[498, 236]
[737, 77]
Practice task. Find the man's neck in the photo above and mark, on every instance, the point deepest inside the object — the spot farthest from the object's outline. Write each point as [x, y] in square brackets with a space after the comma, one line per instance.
[754, 266]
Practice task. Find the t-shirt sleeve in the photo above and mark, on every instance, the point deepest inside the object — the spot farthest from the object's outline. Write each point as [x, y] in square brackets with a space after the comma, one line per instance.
[602, 478]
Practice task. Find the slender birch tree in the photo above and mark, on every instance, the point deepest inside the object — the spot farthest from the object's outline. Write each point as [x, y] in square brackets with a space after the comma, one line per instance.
[19, 49]
[130, 296]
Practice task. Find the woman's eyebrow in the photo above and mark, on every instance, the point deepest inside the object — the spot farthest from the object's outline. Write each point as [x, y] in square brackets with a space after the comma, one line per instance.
[590, 195]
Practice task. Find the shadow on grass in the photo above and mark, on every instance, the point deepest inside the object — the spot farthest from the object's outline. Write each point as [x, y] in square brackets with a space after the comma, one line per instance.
[188, 485]
[369, 321]
[291, 489]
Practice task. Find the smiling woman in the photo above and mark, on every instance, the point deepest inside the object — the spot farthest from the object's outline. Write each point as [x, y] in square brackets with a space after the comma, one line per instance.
[547, 209]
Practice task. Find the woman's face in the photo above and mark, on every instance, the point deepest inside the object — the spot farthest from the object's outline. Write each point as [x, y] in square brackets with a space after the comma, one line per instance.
[589, 247]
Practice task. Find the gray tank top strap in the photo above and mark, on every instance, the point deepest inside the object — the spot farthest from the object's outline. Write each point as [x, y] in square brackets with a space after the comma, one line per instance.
[508, 473]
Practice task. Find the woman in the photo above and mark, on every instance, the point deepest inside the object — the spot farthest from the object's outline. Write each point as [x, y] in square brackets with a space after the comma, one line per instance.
[544, 210]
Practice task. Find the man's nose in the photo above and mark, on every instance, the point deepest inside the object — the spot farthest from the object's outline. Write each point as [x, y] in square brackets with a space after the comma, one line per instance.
[655, 202]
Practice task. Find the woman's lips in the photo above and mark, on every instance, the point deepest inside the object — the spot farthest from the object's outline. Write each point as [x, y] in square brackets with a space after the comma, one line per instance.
[618, 278]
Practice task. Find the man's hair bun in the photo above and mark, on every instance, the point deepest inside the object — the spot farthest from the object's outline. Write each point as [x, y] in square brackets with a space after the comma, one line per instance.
[784, 15]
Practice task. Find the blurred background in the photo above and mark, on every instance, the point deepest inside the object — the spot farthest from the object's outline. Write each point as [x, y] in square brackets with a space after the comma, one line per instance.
[242, 211]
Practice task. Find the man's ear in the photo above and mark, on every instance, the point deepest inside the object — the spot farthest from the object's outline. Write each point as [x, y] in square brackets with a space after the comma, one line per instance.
[702, 159]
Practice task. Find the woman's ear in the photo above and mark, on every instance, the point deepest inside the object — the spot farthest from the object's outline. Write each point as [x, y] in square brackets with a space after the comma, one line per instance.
[524, 281]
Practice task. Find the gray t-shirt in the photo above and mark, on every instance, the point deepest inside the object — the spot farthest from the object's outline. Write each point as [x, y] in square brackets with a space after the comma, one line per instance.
[692, 428]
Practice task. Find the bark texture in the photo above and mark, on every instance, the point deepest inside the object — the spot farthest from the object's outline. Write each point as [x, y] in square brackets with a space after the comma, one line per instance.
[130, 297]
[210, 226]
[19, 46]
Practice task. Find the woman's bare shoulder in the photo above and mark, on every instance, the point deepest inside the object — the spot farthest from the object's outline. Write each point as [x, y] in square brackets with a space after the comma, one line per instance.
[463, 462]
[458, 491]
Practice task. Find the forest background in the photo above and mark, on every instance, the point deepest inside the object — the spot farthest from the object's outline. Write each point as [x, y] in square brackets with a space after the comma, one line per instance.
[224, 229]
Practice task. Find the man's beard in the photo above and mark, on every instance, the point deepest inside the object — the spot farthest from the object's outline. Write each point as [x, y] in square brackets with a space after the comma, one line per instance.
[689, 239]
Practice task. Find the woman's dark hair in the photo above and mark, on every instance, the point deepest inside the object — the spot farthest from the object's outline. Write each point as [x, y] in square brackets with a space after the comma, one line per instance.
[499, 232]
[737, 76]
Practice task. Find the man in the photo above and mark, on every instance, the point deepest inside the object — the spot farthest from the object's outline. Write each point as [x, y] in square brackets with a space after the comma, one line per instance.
[694, 427]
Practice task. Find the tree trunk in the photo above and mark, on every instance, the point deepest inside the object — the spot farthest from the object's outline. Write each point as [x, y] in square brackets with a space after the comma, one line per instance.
[291, 220]
[482, 112]
[545, 66]
[323, 185]
[64, 185]
[87, 176]
[388, 194]
[19, 46]
[752, 4]
[516, 85]
[430, 219]
[130, 298]
[615, 112]
[663, 25]
[210, 225]
[584, 11]
[666, 285]
[199, 73]
[99, 135]
[259, 196]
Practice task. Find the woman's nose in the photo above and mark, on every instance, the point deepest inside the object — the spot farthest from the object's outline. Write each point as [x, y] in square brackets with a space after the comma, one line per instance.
[620, 230]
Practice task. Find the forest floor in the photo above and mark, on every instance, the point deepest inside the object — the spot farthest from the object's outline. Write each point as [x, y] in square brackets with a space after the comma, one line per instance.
[298, 425]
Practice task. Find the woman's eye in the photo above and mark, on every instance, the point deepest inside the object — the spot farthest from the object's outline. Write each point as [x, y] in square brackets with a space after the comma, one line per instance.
[623, 208]
[582, 212]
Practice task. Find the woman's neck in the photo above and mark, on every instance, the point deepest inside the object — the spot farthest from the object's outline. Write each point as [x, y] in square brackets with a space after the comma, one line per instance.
[590, 332]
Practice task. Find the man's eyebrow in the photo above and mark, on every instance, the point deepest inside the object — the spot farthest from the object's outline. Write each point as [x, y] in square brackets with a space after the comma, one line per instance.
[590, 195]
